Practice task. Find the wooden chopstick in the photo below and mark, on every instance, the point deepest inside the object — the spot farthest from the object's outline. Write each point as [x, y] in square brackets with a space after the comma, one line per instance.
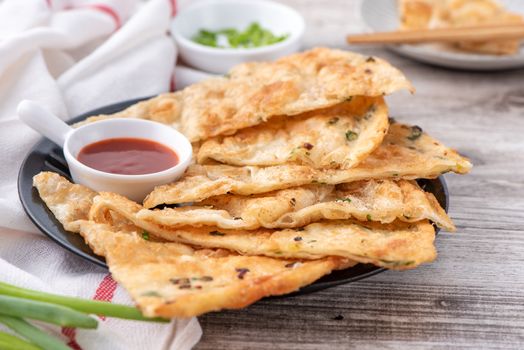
[484, 33]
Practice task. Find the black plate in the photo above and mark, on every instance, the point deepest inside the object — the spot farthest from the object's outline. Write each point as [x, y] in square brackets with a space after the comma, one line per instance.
[46, 156]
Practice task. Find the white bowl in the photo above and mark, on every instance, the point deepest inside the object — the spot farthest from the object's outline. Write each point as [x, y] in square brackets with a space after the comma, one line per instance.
[382, 16]
[134, 187]
[220, 14]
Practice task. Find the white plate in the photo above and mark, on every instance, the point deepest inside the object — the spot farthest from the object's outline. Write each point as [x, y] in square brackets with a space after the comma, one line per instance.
[382, 16]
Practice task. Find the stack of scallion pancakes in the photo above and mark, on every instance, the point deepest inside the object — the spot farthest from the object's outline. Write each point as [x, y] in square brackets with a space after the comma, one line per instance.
[297, 172]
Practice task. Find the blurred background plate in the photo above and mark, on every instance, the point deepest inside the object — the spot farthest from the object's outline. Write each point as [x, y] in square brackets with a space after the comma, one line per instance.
[382, 16]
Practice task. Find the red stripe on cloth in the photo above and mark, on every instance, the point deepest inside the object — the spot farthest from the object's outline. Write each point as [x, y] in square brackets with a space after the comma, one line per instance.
[106, 290]
[70, 333]
[173, 7]
[99, 7]
[107, 10]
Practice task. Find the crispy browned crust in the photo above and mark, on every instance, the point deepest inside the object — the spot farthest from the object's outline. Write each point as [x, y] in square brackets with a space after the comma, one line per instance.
[381, 200]
[337, 137]
[149, 270]
[69, 203]
[255, 92]
[151, 273]
[406, 153]
[244, 292]
[247, 292]
[397, 245]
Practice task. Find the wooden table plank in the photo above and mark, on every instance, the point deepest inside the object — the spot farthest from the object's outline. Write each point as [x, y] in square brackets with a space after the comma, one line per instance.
[473, 295]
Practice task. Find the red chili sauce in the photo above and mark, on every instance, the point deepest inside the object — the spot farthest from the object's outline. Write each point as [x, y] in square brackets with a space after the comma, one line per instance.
[128, 156]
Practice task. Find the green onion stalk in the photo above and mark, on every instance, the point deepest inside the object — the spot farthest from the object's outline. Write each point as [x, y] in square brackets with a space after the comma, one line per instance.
[82, 305]
[33, 334]
[10, 342]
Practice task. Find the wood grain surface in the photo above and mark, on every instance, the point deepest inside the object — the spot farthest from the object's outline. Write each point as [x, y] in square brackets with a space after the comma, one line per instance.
[472, 297]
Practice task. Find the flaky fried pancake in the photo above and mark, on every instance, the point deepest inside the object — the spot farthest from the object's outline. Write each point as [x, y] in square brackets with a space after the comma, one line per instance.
[397, 245]
[420, 14]
[405, 153]
[69, 203]
[336, 137]
[374, 200]
[173, 279]
[254, 92]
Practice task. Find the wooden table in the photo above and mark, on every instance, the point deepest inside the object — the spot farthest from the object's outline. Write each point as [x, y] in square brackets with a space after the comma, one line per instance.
[473, 295]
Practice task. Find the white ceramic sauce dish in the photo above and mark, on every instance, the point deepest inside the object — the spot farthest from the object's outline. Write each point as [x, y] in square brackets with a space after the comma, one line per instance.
[239, 14]
[134, 187]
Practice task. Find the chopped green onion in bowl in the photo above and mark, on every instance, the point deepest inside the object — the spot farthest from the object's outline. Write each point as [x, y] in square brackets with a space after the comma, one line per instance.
[253, 36]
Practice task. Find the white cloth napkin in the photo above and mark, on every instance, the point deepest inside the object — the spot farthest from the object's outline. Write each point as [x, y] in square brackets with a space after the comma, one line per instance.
[73, 56]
